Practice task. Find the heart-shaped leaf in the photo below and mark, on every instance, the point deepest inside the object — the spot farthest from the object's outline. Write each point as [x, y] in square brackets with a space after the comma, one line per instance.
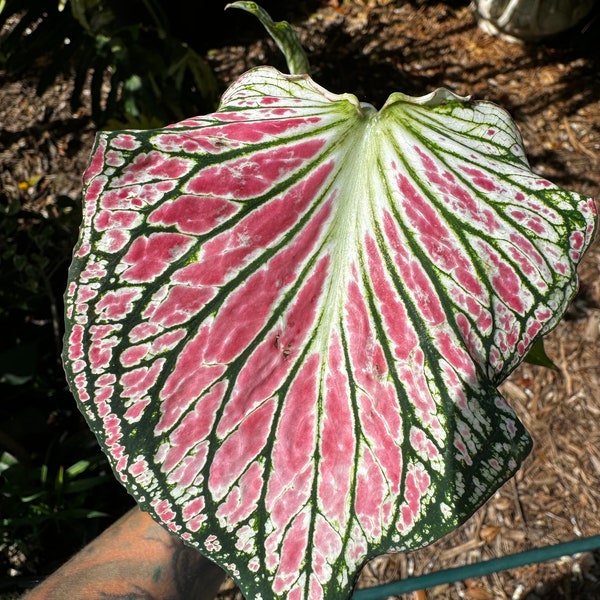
[286, 321]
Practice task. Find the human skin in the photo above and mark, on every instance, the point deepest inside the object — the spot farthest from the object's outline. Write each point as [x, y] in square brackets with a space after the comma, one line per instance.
[134, 559]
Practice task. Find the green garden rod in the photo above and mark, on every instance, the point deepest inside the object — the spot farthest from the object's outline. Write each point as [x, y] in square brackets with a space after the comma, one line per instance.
[487, 567]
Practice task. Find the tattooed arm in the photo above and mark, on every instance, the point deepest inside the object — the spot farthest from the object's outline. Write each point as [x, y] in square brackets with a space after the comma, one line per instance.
[134, 559]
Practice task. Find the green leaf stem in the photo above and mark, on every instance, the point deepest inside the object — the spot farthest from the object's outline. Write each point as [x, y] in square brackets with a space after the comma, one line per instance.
[282, 33]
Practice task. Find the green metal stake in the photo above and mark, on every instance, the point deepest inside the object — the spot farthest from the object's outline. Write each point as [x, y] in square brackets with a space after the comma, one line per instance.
[487, 567]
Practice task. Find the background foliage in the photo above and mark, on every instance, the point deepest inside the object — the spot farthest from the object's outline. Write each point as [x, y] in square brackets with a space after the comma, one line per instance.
[52, 478]
[138, 72]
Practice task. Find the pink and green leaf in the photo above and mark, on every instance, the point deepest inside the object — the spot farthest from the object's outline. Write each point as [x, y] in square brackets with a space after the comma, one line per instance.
[287, 321]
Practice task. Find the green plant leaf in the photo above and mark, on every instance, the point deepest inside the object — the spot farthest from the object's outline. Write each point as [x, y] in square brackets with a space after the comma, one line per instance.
[287, 320]
[537, 355]
[113, 45]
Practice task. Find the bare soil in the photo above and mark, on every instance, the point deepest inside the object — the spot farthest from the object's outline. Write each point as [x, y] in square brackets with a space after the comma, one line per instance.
[373, 48]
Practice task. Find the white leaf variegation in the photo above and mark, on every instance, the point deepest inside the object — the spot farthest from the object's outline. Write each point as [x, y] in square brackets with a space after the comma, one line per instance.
[287, 320]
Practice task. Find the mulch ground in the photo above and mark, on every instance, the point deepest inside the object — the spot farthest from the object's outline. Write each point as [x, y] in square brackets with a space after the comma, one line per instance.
[371, 49]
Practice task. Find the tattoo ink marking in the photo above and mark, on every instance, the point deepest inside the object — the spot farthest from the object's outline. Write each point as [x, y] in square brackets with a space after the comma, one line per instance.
[157, 573]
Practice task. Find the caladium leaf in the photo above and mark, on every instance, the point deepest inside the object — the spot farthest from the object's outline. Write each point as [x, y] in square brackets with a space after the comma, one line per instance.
[287, 320]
